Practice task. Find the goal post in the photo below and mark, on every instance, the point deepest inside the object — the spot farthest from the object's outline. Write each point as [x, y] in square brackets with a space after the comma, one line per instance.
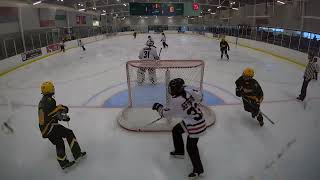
[148, 83]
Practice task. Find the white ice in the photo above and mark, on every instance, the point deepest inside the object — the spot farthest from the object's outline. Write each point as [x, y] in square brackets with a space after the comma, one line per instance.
[234, 148]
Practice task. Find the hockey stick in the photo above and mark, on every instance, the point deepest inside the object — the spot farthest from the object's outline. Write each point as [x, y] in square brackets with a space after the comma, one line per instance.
[260, 112]
[160, 52]
[6, 128]
[158, 119]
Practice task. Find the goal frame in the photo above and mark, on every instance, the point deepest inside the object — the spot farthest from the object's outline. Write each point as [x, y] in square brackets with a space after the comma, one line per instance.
[137, 118]
[162, 64]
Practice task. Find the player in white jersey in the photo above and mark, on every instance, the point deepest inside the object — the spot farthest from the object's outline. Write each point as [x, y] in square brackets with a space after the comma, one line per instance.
[185, 104]
[148, 53]
[80, 43]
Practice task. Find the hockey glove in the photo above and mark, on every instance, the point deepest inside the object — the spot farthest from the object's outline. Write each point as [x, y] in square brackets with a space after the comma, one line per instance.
[238, 92]
[63, 117]
[157, 106]
[64, 109]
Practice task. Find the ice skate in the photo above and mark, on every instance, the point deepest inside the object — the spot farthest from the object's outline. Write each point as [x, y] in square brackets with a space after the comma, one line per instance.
[195, 175]
[82, 155]
[177, 155]
[67, 164]
[260, 119]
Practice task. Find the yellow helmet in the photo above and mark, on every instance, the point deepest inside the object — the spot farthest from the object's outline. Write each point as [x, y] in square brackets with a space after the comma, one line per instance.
[47, 87]
[248, 72]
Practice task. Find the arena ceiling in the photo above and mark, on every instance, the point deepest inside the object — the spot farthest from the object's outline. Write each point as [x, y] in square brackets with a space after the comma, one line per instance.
[121, 7]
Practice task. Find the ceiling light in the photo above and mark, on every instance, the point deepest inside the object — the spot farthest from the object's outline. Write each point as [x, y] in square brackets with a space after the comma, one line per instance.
[219, 7]
[235, 9]
[38, 2]
[103, 14]
[82, 9]
[200, 16]
[191, 18]
[170, 17]
[281, 2]
[212, 13]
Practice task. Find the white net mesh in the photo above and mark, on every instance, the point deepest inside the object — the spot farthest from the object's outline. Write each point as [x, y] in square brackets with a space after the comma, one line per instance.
[147, 84]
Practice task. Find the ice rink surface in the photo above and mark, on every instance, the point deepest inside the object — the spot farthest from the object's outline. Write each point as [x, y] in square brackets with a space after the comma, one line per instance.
[235, 148]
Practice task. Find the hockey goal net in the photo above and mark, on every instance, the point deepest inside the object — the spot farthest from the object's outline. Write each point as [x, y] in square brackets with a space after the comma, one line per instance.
[148, 83]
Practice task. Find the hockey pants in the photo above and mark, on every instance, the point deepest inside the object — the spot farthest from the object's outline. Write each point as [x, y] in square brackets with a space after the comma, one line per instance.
[164, 44]
[62, 48]
[253, 108]
[58, 132]
[141, 75]
[192, 147]
[224, 51]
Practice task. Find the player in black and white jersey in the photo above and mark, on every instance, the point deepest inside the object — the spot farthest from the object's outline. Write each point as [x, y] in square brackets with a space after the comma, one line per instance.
[163, 40]
[185, 104]
[148, 53]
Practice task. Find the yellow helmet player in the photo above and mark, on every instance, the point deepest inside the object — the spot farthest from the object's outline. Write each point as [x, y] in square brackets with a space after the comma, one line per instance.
[47, 87]
[248, 72]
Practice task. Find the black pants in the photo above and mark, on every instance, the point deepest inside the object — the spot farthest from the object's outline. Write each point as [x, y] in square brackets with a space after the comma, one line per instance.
[58, 132]
[251, 106]
[192, 147]
[224, 51]
[304, 87]
[164, 44]
[62, 48]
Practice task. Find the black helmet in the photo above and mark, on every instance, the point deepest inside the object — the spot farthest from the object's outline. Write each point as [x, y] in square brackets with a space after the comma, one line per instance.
[311, 55]
[176, 87]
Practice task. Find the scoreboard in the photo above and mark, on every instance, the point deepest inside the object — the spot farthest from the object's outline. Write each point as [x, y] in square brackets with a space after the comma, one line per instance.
[156, 9]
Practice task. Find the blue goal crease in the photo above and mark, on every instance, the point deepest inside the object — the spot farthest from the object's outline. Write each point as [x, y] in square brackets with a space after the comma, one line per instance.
[145, 96]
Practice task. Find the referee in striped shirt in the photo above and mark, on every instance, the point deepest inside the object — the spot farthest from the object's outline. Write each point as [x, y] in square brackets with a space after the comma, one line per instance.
[310, 73]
